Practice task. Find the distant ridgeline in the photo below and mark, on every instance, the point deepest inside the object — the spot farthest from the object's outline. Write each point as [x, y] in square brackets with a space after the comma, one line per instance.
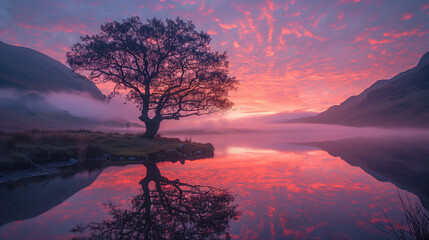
[402, 101]
[27, 69]
[26, 76]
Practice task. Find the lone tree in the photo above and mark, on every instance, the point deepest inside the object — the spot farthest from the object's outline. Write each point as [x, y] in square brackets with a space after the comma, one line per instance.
[166, 67]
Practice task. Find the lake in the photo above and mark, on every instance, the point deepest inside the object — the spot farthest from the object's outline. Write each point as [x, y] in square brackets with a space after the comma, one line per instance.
[335, 183]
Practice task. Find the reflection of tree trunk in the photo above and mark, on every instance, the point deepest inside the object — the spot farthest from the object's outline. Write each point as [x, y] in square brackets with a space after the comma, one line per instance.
[147, 205]
[152, 173]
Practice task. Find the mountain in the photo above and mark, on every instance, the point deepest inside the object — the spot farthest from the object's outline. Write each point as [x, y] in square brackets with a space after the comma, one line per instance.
[26, 76]
[402, 101]
[29, 70]
[401, 160]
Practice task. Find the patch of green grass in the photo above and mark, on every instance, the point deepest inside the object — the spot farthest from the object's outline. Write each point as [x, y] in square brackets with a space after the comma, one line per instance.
[26, 149]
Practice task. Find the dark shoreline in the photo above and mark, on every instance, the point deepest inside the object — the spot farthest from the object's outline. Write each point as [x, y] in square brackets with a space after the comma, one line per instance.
[33, 150]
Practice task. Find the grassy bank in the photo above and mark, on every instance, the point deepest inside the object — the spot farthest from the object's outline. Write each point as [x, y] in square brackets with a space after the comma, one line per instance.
[27, 149]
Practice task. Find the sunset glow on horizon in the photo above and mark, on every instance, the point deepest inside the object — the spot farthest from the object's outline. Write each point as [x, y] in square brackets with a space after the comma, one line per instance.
[288, 55]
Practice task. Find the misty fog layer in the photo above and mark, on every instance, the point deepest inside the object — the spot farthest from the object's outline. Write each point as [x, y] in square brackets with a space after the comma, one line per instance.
[60, 110]
[83, 105]
[67, 110]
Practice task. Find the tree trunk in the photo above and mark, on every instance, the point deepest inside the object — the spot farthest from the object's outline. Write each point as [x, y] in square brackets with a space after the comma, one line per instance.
[152, 127]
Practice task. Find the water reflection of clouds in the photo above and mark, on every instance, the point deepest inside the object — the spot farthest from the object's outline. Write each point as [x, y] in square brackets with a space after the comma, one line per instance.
[243, 150]
[282, 192]
[300, 195]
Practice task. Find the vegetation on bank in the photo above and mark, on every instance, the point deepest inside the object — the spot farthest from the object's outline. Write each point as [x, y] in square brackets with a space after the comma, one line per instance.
[27, 149]
[416, 224]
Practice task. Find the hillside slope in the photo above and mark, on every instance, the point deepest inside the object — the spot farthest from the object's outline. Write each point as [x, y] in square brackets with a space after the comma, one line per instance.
[402, 101]
[26, 76]
[25, 69]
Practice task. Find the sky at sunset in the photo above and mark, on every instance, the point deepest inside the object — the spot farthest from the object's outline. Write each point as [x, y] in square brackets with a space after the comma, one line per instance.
[288, 55]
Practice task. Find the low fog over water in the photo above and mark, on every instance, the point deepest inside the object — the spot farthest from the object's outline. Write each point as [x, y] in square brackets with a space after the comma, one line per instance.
[266, 127]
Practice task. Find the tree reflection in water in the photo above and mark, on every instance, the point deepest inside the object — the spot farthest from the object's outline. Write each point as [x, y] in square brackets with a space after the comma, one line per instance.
[169, 209]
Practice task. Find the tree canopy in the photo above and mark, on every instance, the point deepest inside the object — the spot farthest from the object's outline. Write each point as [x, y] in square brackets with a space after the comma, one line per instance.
[166, 67]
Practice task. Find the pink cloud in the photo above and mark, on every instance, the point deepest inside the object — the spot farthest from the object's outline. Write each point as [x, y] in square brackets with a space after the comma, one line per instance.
[266, 14]
[227, 26]
[315, 22]
[212, 32]
[299, 31]
[318, 53]
[187, 2]
[269, 51]
[348, 1]
[339, 27]
[284, 31]
[407, 16]
[396, 34]
[295, 14]
[57, 27]
[340, 17]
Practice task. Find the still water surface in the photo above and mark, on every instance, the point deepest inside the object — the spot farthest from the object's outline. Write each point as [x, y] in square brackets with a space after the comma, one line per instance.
[318, 190]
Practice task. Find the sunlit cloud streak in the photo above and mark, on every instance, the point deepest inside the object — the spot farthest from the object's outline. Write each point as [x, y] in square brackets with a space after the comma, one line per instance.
[289, 55]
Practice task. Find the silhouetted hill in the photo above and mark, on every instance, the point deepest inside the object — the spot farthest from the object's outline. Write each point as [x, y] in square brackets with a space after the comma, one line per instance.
[27, 69]
[25, 76]
[402, 101]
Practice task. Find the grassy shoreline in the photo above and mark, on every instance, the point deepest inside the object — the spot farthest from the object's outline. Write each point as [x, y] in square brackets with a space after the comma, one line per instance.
[29, 149]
